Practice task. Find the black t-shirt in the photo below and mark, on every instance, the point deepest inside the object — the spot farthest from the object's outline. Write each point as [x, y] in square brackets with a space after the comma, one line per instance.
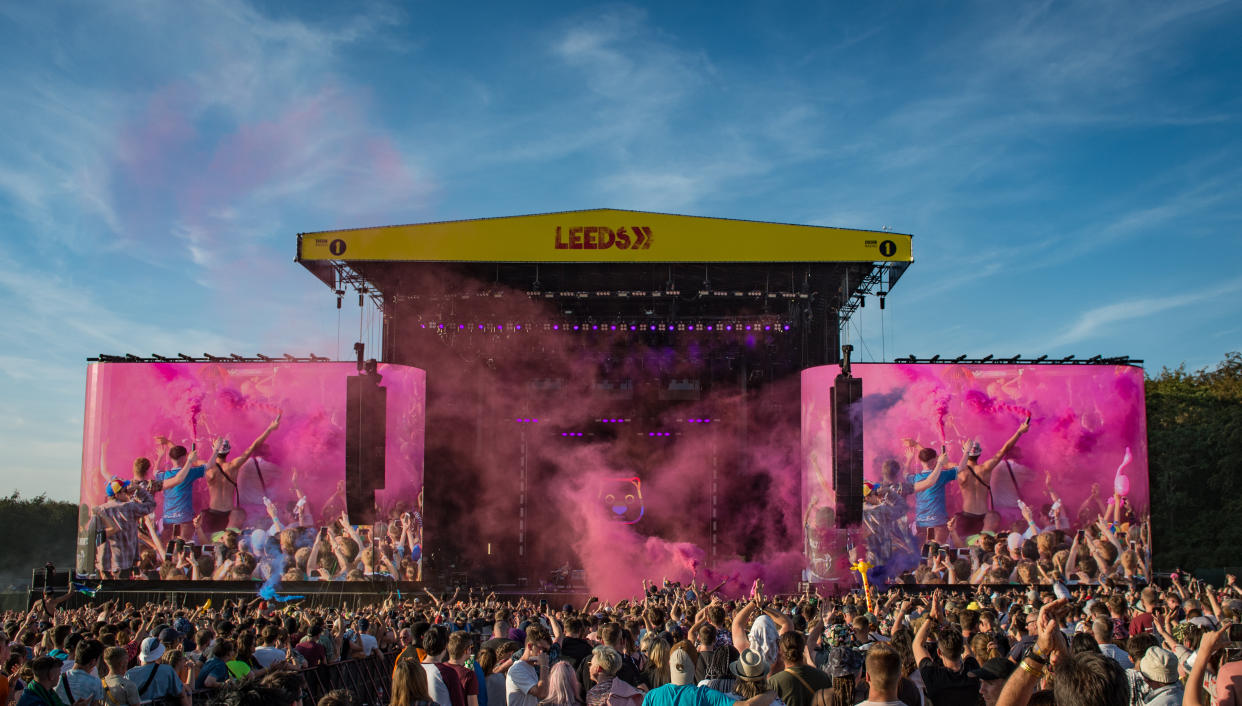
[700, 667]
[575, 649]
[793, 691]
[950, 688]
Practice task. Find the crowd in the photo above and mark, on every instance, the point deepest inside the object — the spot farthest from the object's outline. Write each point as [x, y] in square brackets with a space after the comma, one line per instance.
[674, 645]
[1013, 526]
[149, 528]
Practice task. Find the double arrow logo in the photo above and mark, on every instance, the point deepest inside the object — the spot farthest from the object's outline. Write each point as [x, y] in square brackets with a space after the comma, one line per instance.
[603, 238]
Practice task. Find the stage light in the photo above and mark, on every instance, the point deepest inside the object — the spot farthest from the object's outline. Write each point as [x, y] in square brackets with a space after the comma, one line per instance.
[748, 327]
[786, 327]
[670, 327]
[767, 327]
[729, 327]
[709, 327]
[518, 327]
[690, 327]
[576, 327]
[633, 327]
[461, 327]
[613, 327]
[556, 327]
[594, 327]
[653, 327]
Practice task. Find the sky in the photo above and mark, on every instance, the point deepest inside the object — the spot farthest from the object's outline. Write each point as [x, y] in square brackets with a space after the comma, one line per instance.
[1071, 172]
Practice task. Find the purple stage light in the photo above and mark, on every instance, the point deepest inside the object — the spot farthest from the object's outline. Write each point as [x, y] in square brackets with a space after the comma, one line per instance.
[594, 327]
[422, 325]
[518, 327]
[576, 327]
[633, 327]
[612, 328]
[768, 327]
[556, 327]
[709, 328]
[500, 327]
[653, 327]
[671, 327]
[729, 327]
[786, 327]
[749, 327]
[690, 327]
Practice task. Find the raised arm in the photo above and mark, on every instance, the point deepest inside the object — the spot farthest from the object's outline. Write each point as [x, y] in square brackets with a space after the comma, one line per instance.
[930, 480]
[740, 639]
[190, 458]
[920, 637]
[250, 450]
[1007, 447]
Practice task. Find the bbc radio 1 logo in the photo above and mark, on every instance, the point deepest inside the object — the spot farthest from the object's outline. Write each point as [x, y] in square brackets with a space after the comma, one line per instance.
[888, 248]
[603, 238]
[335, 246]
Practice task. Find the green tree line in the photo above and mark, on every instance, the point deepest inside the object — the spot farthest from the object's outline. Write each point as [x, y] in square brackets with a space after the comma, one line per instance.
[1194, 440]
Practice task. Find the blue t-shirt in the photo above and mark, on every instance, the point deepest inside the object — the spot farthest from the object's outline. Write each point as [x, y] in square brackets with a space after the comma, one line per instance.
[214, 668]
[179, 501]
[929, 510]
[687, 695]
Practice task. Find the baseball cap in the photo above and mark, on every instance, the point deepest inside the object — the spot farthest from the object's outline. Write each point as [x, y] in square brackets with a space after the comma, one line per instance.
[169, 636]
[995, 668]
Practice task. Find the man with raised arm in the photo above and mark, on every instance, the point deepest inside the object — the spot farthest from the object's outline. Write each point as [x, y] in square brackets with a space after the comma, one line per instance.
[224, 509]
[930, 510]
[975, 480]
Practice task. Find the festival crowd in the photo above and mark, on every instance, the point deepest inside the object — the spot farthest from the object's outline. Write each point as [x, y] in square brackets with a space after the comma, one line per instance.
[149, 528]
[674, 645]
[1013, 526]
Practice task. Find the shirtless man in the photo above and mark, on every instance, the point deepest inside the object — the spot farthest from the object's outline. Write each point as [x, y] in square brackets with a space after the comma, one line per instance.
[223, 509]
[975, 480]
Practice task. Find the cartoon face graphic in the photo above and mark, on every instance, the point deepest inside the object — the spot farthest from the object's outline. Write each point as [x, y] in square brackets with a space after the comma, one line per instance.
[623, 498]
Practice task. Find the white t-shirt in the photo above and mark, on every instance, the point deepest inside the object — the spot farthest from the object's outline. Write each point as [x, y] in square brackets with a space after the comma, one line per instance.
[267, 656]
[435, 685]
[522, 677]
[368, 643]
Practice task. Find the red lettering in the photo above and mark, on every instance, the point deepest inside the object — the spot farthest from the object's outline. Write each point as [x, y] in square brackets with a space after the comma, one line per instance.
[575, 238]
[560, 244]
[623, 238]
[647, 243]
[606, 237]
[588, 238]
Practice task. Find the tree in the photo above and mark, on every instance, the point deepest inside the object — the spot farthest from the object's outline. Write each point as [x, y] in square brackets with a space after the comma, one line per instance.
[1194, 439]
[38, 531]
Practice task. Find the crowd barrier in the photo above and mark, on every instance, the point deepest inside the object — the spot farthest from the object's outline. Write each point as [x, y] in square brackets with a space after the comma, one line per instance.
[368, 679]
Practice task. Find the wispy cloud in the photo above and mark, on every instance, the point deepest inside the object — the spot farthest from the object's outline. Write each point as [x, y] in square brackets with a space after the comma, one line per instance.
[1096, 322]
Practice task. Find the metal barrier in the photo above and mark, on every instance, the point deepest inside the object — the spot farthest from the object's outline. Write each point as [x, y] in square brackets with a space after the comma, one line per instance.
[368, 679]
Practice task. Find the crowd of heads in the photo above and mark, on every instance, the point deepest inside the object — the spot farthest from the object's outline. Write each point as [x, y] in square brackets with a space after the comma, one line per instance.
[1008, 645]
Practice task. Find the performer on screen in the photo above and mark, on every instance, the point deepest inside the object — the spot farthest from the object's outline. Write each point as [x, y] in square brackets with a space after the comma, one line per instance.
[224, 501]
[178, 486]
[975, 481]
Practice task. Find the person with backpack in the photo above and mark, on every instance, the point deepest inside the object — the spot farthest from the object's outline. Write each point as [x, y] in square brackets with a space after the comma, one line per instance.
[157, 681]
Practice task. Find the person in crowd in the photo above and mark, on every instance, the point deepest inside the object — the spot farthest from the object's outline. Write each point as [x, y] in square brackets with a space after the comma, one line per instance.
[798, 682]
[156, 680]
[224, 501]
[81, 681]
[974, 479]
[526, 682]
[931, 512]
[409, 685]
[121, 516]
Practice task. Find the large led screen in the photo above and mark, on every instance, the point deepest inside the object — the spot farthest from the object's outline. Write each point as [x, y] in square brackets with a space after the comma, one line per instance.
[1055, 487]
[156, 498]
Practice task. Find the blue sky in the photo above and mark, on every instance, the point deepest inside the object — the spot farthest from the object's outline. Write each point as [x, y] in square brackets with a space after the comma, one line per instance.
[1072, 172]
